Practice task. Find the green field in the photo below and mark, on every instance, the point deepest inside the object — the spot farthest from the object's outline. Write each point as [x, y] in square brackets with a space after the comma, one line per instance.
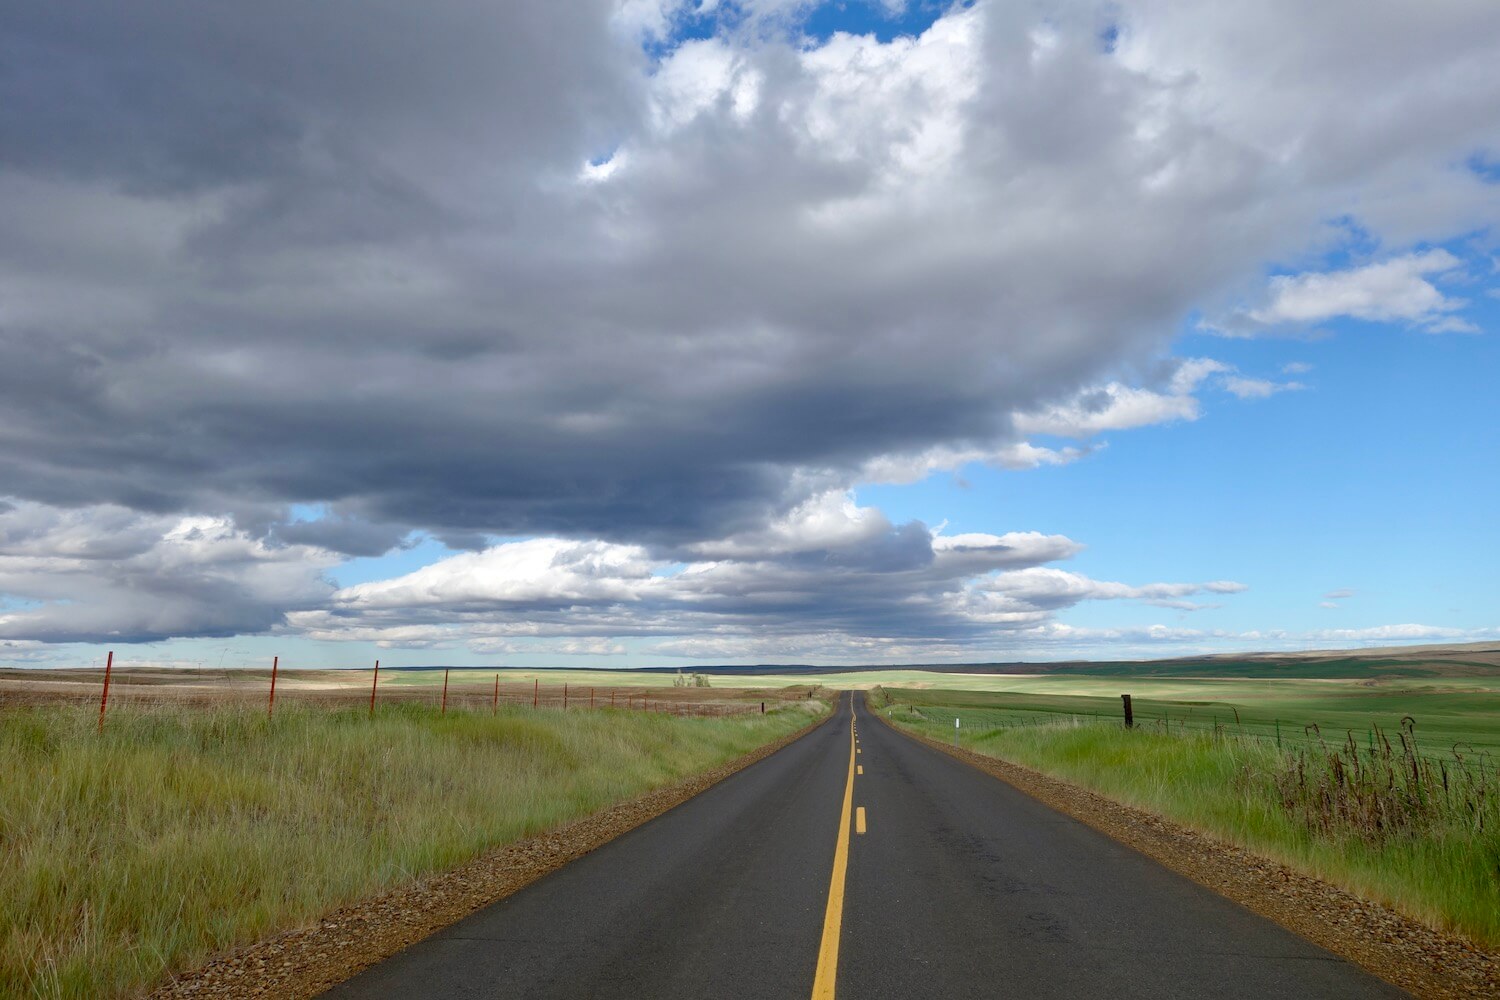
[1452, 703]
[1447, 711]
[1410, 824]
[183, 830]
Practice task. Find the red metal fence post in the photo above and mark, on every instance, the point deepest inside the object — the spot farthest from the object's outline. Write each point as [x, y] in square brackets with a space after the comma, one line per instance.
[372, 688]
[271, 704]
[445, 691]
[495, 705]
[104, 700]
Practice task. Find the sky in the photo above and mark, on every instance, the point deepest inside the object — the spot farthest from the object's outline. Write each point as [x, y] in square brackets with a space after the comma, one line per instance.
[664, 332]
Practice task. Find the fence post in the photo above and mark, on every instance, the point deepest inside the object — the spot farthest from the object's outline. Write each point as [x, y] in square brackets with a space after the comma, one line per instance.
[445, 691]
[271, 705]
[611, 697]
[1278, 734]
[1129, 712]
[109, 663]
[495, 705]
[536, 692]
[762, 708]
[373, 683]
[591, 699]
[565, 696]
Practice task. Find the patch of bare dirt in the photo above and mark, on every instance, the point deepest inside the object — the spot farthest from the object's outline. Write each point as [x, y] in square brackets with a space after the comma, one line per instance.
[306, 961]
[1407, 953]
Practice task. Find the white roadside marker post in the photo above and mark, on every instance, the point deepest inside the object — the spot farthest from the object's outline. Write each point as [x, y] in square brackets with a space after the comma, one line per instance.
[955, 732]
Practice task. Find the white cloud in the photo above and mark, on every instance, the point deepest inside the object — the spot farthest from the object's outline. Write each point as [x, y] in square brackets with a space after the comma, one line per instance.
[1448, 324]
[1116, 406]
[1257, 388]
[1110, 407]
[1044, 587]
[1396, 290]
[695, 77]
[914, 467]
[1399, 633]
[899, 105]
[1296, 368]
[830, 573]
[831, 520]
[548, 570]
[107, 573]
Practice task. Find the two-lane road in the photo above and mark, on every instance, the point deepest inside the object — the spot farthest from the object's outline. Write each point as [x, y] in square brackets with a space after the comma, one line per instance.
[959, 886]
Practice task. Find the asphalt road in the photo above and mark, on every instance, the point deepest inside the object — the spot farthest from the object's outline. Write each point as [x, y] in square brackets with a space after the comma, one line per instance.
[960, 886]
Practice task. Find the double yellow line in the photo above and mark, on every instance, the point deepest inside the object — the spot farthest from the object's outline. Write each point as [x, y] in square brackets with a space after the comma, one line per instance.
[833, 917]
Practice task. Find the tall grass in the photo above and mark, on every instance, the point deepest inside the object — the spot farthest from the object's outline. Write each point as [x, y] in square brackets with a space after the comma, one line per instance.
[182, 831]
[1417, 832]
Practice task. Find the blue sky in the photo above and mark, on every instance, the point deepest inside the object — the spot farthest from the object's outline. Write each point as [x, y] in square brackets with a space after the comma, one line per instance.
[750, 332]
[1373, 479]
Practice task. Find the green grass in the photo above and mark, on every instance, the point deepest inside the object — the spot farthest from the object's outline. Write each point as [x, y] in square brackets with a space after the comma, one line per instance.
[1435, 855]
[183, 831]
[1447, 713]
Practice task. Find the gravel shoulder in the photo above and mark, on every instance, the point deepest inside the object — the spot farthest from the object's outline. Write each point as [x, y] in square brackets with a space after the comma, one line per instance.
[1409, 954]
[304, 962]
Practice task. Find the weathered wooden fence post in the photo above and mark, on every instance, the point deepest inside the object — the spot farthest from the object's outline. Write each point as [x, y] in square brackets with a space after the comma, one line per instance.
[104, 699]
[495, 705]
[271, 704]
[374, 682]
[445, 691]
[1129, 712]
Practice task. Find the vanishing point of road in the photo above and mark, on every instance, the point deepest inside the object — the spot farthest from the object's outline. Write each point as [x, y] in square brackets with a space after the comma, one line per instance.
[861, 862]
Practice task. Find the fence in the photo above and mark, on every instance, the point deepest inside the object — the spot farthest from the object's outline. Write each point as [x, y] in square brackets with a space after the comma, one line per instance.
[273, 689]
[1285, 735]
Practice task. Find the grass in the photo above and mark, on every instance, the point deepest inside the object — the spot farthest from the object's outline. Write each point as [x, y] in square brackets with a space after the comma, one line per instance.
[1447, 712]
[184, 831]
[1420, 833]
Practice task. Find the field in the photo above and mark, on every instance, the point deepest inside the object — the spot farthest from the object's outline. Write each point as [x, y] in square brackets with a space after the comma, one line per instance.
[1408, 815]
[1446, 711]
[474, 689]
[1451, 692]
[193, 824]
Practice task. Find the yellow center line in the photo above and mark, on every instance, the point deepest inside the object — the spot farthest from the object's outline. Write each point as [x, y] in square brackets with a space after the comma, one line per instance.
[833, 917]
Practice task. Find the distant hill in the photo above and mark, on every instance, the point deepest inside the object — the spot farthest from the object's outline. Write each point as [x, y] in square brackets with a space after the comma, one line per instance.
[1445, 660]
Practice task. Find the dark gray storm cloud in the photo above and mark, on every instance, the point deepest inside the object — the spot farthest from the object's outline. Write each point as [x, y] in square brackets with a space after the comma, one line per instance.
[487, 269]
